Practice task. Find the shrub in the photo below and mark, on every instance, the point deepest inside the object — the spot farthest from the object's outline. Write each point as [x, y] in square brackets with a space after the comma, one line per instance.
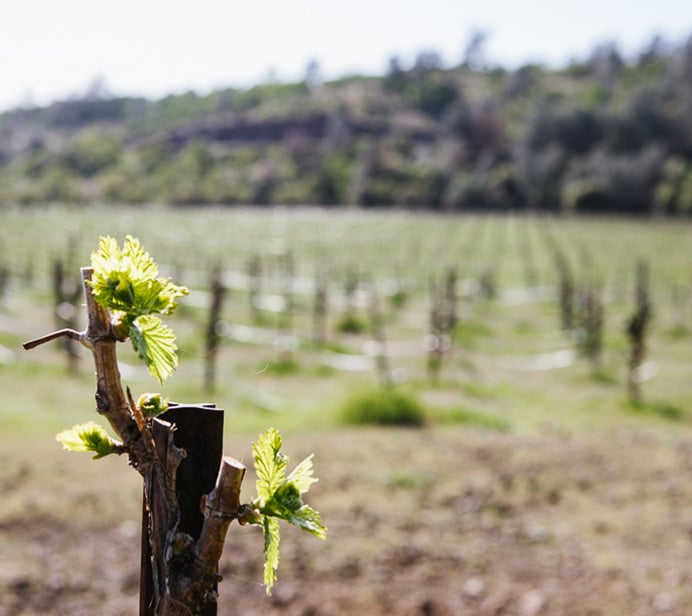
[283, 366]
[660, 409]
[352, 324]
[383, 407]
[91, 152]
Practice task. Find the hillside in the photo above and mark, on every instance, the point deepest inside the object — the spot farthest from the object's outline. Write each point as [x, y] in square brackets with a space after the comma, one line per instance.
[604, 134]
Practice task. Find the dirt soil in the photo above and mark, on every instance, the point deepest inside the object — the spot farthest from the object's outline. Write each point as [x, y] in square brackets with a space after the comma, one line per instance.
[436, 521]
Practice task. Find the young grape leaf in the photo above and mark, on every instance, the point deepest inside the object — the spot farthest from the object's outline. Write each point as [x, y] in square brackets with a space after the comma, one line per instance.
[272, 537]
[309, 520]
[301, 476]
[270, 464]
[279, 497]
[128, 280]
[127, 283]
[287, 504]
[89, 437]
[155, 344]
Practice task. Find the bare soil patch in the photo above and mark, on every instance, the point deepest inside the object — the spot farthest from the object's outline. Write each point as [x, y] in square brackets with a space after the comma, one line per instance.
[430, 521]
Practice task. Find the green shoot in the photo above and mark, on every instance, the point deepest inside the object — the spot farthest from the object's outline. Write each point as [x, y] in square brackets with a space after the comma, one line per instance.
[279, 497]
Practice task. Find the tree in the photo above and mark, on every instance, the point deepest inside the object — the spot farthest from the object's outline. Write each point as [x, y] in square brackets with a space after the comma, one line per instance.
[474, 51]
[91, 152]
[313, 76]
[637, 331]
[606, 64]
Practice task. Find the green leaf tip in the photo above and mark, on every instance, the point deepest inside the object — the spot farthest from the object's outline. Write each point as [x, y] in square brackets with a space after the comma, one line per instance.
[279, 497]
[270, 464]
[89, 437]
[272, 538]
[126, 282]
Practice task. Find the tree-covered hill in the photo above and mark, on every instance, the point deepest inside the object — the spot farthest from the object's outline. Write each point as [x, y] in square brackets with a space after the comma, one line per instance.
[603, 134]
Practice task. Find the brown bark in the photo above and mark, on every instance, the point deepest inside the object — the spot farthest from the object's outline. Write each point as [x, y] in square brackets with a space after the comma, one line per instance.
[220, 506]
[111, 401]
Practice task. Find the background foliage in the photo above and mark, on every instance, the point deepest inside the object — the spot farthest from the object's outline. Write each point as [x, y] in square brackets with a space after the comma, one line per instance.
[605, 133]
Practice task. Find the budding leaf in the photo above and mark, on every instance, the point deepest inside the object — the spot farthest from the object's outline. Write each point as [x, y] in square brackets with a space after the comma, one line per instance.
[279, 497]
[302, 475]
[128, 279]
[270, 464]
[89, 437]
[155, 344]
[152, 405]
[272, 537]
[127, 283]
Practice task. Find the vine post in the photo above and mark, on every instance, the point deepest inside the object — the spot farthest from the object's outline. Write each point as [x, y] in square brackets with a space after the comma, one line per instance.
[591, 320]
[319, 309]
[376, 318]
[637, 330]
[214, 327]
[442, 322]
[67, 290]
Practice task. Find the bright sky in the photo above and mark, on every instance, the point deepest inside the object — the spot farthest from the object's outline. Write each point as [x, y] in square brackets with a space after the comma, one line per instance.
[55, 48]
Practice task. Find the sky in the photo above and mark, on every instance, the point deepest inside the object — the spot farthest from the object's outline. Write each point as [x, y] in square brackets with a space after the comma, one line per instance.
[55, 49]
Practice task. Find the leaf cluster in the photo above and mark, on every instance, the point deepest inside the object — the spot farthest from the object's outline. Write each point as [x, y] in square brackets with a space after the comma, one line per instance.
[279, 498]
[127, 283]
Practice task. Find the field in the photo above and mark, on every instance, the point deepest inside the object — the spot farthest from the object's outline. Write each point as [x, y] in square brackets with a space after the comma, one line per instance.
[534, 486]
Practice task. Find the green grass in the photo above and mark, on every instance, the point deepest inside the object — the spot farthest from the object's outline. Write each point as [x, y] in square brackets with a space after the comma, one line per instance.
[678, 331]
[468, 417]
[470, 333]
[282, 366]
[494, 343]
[658, 409]
[383, 407]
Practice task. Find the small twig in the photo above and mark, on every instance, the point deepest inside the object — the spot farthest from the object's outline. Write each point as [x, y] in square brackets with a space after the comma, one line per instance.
[136, 411]
[220, 508]
[61, 333]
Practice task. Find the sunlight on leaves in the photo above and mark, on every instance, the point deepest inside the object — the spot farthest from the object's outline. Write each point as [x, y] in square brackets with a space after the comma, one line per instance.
[155, 344]
[126, 282]
[279, 497]
[128, 279]
[88, 437]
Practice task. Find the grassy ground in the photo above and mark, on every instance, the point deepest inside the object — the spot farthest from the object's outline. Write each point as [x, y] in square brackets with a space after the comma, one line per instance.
[534, 486]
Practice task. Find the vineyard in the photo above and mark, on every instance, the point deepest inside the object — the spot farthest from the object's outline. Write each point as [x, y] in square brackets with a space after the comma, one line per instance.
[537, 459]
